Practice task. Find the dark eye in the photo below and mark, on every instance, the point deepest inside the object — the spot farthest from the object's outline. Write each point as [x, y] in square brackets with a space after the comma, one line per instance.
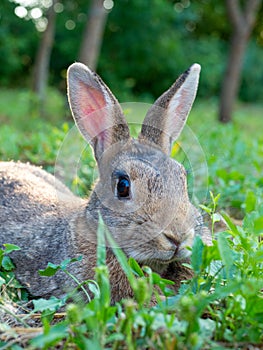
[123, 187]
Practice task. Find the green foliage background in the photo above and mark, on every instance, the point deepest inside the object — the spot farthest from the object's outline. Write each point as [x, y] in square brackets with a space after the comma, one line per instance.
[145, 47]
[147, 44]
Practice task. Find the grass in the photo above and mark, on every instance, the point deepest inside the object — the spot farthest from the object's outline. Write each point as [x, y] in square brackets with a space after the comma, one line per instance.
[19, 108]
[221, 307]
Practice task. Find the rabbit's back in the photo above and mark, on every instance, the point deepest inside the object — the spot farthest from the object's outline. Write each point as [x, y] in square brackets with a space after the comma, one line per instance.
[35, 213]
[28, 191]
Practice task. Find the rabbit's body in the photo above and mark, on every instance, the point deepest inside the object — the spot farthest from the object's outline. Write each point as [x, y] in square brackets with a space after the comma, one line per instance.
[37, 219]
[141, 196]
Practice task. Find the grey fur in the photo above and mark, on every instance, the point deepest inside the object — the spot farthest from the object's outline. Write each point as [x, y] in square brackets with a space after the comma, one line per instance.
[154, 225]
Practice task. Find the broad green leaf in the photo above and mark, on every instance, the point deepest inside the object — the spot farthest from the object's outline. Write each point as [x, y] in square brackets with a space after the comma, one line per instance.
[226, 252]
[258, 225]
[94, 288]
[50, 270]
[7, 263]
[206, 209]
[230, 223]
[221, 292]
[251, 201]
[67, 262]
[2, 281]
[114, 337]
[197, 253]
[216, 217]
[48, 304]
[55, 334]
[9, 248]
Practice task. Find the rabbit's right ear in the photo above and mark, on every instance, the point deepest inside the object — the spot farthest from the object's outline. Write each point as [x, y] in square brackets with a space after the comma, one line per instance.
[96, 111]
[166, 118]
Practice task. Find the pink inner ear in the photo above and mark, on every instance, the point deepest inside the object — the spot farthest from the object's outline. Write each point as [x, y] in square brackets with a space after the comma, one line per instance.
[92, 110]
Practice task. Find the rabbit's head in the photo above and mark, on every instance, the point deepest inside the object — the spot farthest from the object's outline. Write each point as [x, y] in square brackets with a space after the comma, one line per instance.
[142, 192]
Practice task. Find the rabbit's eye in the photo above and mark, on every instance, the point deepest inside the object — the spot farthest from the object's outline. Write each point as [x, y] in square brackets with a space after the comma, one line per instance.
[123, 187]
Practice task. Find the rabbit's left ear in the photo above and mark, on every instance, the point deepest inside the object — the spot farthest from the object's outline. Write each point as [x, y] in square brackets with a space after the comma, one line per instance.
[96, 111]
[166, 118]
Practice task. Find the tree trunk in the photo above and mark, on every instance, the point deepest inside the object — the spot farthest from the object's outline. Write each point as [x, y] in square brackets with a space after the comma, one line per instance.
[243, 21]
[93, 34]
[232, 77]
[41, 67]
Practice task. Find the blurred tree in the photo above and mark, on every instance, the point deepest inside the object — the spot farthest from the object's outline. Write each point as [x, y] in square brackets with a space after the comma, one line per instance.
[93, 34]
[242, 19]
[41, 66]
[146, 45]
[141, 49]
[18, 42]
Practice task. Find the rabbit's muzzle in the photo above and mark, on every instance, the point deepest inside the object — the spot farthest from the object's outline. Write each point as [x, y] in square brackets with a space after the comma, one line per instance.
[173, 243]
[173, 248]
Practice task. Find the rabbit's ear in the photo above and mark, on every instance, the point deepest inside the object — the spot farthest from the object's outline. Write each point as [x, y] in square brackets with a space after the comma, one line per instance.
[96, 111]
[166, 118]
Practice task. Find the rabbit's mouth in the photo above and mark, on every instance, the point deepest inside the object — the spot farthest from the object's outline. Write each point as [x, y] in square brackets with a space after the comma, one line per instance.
[164, 258]
[177, 250]
[162, 250]
[170, 252]
[172, 241]
[173, 245]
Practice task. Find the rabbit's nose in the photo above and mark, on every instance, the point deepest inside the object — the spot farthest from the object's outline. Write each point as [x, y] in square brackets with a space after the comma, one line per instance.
[174, 242]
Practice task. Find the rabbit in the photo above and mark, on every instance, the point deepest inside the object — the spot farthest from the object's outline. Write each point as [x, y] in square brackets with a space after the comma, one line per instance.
[141, 194]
